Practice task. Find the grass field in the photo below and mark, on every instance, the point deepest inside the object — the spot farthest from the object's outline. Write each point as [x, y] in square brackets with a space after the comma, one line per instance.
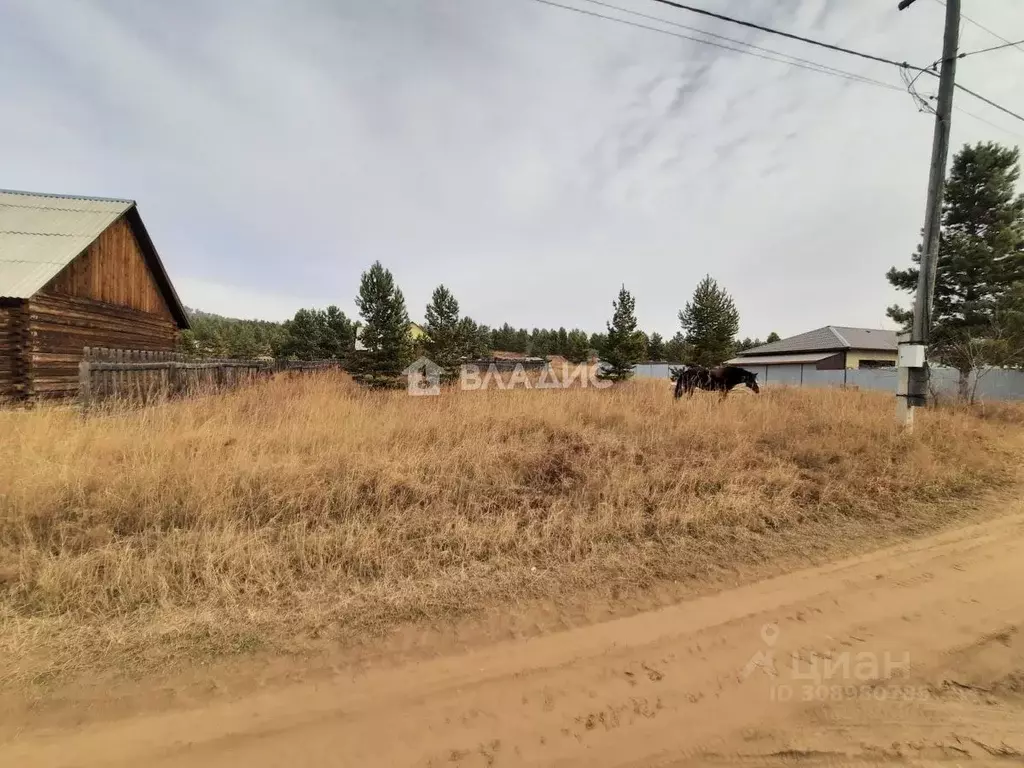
[306, 508]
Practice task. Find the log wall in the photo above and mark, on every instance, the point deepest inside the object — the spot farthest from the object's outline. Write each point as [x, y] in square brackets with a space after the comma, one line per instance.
[61, 326]
[14, 344]
[6, 354]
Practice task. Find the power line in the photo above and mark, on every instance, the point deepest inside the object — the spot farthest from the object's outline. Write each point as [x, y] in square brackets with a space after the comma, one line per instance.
[989, 122]
[830, 46]
[991, 103]
[981, 26]
[730, 39]
[993, 48]
[923, 104]
[790, 60]
[800, 38]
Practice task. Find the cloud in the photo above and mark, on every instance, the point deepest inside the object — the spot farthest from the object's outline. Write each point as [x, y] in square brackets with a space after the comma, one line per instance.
[530, 158]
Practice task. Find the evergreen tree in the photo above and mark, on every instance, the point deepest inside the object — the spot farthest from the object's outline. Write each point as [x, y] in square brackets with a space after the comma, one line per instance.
[474, 340]
[216, 336]
[339, 335]
[522, 341]
[773, 336]
[562, 345]
[643, 342]
[656, 347]
[981, 257]
[504, 339]
[384, 332]
[677, 350]
[188, 343]
[538, 343]
[305, 338]
[710, 321]
[241, 342]
[598, 341]
[577, 346]
[624, 346]
[747, 343]
[445, 344]
[1008, 346]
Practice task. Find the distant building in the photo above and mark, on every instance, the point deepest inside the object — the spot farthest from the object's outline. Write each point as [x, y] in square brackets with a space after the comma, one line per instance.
[76, 272]
[416, 333]
[834, 347]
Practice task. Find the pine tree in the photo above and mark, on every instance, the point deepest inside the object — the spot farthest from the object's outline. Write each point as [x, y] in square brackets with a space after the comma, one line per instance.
[624, 346]
[384, 332]
[305, 336]
[643, 342]
[538, 346]
[578, 346]
[503, 339]
[656, 347]
[445, 341]
[474, 340]
[981, 256]
[773, 336]
[1009, 346]
[522, 341]
[710, 321]
[677, 350]
[562, 347]
[339, 335]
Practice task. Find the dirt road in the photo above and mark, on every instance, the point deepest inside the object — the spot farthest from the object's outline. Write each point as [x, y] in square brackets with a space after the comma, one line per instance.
[911, 655]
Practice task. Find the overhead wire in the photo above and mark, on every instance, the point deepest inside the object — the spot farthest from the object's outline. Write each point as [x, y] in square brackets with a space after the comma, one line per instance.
[778, 57]
[729, 39]
[991, 103]
[981, 119]
[838, 48]
[789, 35]
[989, 50]
[981, 26]
[784, 58]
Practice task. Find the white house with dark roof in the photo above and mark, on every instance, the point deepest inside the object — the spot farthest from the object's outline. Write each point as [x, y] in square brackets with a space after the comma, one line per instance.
[834, 347]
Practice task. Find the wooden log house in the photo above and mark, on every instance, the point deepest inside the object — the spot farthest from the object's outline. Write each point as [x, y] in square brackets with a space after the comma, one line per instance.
[76, 272]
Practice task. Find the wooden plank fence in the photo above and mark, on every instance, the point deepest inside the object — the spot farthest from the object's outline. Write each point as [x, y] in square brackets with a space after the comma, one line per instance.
[143, 376]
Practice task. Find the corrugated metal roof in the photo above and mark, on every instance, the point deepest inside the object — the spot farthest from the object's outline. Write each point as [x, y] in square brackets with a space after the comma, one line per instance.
[41, 234]
[831, 337]
[868, 338]
[812, 357]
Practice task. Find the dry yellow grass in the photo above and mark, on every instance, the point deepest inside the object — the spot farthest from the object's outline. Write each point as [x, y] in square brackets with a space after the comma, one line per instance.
[303, 507]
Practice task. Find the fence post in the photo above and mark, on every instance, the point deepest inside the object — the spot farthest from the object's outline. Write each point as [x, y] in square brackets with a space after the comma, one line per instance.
[84, 383]
[172, 378]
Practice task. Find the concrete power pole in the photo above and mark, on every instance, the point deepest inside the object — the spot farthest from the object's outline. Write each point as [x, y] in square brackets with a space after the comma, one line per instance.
[913, 380]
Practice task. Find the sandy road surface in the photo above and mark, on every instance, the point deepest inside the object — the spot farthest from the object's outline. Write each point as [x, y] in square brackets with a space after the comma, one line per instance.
[910, 655]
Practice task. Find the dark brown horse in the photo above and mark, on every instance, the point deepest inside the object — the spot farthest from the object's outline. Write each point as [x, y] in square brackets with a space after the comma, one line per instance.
[719, 379]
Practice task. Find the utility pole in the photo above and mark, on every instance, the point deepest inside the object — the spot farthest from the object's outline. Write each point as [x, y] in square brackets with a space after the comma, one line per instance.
[913, 388]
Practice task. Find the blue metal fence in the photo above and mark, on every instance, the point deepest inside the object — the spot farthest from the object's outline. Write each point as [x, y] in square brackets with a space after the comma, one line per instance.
[992, 384]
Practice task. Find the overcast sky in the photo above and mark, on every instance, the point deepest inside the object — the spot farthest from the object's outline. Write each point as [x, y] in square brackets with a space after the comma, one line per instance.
[530, 158]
